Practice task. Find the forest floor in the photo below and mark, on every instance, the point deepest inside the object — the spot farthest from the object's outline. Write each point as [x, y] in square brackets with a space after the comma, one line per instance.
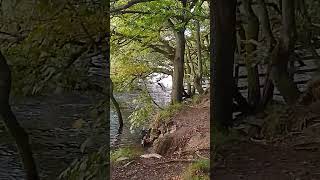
[235, 160]
[245, 160]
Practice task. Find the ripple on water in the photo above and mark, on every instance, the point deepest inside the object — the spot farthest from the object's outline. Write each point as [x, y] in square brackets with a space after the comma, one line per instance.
[55, 143]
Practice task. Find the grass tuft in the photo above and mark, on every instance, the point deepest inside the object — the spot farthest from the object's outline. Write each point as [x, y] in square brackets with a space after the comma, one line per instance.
[125, 152]
[198, 170]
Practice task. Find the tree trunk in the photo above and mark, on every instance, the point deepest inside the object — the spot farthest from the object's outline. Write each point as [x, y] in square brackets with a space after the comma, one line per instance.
[178, 68]
[252, 32]
[18, 133]
[198, 78]
[117, 107]
[279, 70]
[193, 71]
[223, 39]
[268, 89]
[188, 72]
[244, 106]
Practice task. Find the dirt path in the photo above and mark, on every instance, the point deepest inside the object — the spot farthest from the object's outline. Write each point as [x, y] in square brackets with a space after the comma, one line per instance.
[153, 169]
[249, 161]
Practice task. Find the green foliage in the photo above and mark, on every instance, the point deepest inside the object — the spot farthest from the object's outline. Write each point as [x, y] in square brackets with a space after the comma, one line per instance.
[44, 40]
[170, 111]
[124, 152]
[145, 41]
[91, 167]
[127, 69]
[143, 110]
[164, 115]
[196, 99]
[198, 170]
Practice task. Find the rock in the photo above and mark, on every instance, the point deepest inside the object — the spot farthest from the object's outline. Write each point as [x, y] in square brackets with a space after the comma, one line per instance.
[122, 159]
[162, 144]
[173, 129]
[153, 155]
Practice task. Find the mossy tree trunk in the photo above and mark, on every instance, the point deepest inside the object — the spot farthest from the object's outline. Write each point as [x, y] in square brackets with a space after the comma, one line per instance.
[251, 32]
[192, 68]
[198, 77]
[18, 133]
[223, 41]
[281, 78]
[268, 89]
[188, 72]
[178, 67]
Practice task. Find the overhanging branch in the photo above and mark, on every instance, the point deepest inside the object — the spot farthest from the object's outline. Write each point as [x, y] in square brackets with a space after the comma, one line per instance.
[128, 5]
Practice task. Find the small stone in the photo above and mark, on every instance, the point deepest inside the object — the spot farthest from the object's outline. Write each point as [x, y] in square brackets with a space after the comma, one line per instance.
[122, 159]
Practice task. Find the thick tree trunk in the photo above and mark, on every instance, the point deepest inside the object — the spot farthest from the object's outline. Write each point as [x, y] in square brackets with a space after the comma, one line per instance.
[279, 71]
[223, 39]
[178, 68]
[18, 133]
[252, 31]
[265, 24]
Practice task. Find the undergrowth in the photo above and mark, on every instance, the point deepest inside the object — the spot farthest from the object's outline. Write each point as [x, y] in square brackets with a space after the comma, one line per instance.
[198, 170]
[164, 116]
[220, 138]
[275, 123]
[125, 152]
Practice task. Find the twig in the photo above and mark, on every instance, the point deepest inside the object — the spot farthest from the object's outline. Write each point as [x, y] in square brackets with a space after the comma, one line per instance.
[128, 164]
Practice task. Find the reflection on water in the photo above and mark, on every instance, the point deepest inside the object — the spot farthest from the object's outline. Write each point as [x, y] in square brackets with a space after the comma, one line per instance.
[160, 90]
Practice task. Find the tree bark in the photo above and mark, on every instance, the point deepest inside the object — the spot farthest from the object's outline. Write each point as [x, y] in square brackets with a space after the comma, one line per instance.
[178, 67]
[188, 72]
[251, 32]
[243, 104]
[223, 39]
[281, 78]
[18, 133]
[268, 89]
[198, 78]
[117, 107]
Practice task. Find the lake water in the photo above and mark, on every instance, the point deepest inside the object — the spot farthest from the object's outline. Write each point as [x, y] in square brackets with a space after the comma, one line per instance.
[161, 93]
[56, 140]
